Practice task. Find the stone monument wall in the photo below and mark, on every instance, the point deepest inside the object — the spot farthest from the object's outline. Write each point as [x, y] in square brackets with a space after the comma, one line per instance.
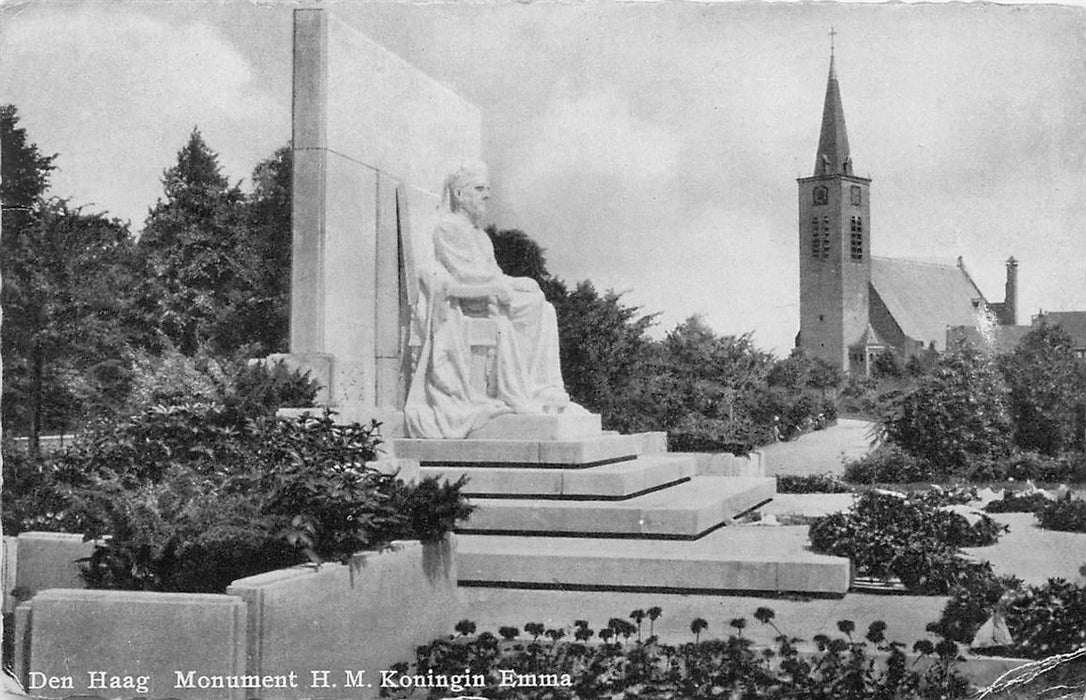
[373, 138]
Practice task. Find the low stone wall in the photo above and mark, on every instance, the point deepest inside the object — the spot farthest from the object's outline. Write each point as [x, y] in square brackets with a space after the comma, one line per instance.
[340, 626]
[299, 628]
[725, 464]
[129, 643]
[49, 560]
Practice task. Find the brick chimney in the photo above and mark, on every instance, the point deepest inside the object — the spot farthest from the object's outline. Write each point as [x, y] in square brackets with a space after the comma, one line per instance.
[1010, 294]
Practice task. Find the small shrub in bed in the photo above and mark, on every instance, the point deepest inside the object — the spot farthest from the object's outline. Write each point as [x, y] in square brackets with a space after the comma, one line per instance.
[889, 464]
[1019, 503]
[889, 535]
[1042, 621]
[811, 483]
[1067, 514]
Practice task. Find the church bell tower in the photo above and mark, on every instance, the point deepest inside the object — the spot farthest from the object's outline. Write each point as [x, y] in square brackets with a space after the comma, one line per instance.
[834, 246]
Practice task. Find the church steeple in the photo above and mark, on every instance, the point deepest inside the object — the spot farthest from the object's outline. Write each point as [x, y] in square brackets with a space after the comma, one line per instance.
[833, 156]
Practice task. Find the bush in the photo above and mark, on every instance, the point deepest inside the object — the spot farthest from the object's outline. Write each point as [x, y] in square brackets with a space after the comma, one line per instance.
[972, 600]
[626, 666]
[889, 535]
[192, 502]
[1067, 514]
[1042, 620]
[1047, 620]
[1018, 503]
[954, 415]
[1046, 383]
[1037, 467]
[889, 464]
[33, 496]
[811, 483]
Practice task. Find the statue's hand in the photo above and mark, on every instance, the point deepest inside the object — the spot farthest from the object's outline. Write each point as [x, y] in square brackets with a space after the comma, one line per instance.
[525, 284]
[503, 292]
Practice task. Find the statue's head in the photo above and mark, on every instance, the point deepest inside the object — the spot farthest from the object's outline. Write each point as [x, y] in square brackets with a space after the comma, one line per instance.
[468, 189]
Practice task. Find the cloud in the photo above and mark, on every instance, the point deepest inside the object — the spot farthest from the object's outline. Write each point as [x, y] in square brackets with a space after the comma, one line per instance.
[115, 92]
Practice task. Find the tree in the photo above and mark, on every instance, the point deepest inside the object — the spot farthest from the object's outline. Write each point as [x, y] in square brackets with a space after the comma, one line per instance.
[25, 173]
[192, 256]
[702, 388]
[65, 276]
[954, 414]
[520, 256]
[262, 315]
[603, 348]
[1046, 384]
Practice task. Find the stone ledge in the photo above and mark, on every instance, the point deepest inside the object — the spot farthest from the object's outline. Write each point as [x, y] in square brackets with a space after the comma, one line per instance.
[558, 453]
[618, 480]
[561, 426]
[685, 511]
[730, 559]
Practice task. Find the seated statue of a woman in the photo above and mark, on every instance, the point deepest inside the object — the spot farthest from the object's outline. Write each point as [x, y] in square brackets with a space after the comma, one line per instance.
[442, 402]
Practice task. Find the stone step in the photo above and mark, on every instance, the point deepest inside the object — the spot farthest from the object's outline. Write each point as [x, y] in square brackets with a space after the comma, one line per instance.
[562, 426]
[586, 452]
[685, 511]
[619, 480]
[735, 559]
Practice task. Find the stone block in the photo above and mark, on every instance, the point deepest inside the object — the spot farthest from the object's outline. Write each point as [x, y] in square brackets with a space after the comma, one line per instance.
[653, 442]
[130, 643]
[360, 617]
[8, 566]
[606, 448]
[50, 560]
[686, 510]
[562, 426]
[725, 464]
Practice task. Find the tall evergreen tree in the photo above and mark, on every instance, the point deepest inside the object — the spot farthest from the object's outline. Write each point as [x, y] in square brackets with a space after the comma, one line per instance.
[192, 257]
[25, 172]
[263, 316]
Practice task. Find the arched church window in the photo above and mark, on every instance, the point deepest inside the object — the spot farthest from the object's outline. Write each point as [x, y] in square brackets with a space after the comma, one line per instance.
[820, 196]
[856, 195]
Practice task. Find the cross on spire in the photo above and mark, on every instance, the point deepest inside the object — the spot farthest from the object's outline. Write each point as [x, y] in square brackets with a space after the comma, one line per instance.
[833, 36]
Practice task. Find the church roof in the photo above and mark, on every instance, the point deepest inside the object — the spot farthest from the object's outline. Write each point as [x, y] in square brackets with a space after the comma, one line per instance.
[833, 156]
[870, 339]
[926, 298]
[1072, 322]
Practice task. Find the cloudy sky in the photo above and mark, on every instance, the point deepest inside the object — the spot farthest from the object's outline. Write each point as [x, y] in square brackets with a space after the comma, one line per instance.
[650, 147]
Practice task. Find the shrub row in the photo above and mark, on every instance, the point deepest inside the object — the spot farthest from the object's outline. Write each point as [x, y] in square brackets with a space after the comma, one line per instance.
[844, 667]
[811, 483]
[890, 464]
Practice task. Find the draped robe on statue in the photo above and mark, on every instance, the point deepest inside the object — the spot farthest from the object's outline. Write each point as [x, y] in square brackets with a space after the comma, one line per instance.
[442, 402]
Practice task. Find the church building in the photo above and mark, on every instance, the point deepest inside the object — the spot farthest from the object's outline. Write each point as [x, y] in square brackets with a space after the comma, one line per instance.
[854, 306]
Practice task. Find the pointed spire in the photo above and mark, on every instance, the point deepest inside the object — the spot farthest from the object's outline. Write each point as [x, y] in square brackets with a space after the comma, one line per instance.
[833, 156]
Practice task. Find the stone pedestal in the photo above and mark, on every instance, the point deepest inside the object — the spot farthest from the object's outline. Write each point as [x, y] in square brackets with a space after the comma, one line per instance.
[562, 426]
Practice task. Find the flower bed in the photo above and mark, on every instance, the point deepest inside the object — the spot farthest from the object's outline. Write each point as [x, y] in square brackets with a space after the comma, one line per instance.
[629, 662]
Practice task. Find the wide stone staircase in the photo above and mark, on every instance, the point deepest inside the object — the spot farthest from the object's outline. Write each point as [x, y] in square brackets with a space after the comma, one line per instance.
[562, 504]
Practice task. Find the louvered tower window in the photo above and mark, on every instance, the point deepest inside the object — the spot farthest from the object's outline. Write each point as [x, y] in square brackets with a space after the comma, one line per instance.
[857, 238]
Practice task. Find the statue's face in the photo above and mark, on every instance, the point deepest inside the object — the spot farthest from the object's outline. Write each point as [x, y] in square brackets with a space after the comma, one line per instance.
[471, 197]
